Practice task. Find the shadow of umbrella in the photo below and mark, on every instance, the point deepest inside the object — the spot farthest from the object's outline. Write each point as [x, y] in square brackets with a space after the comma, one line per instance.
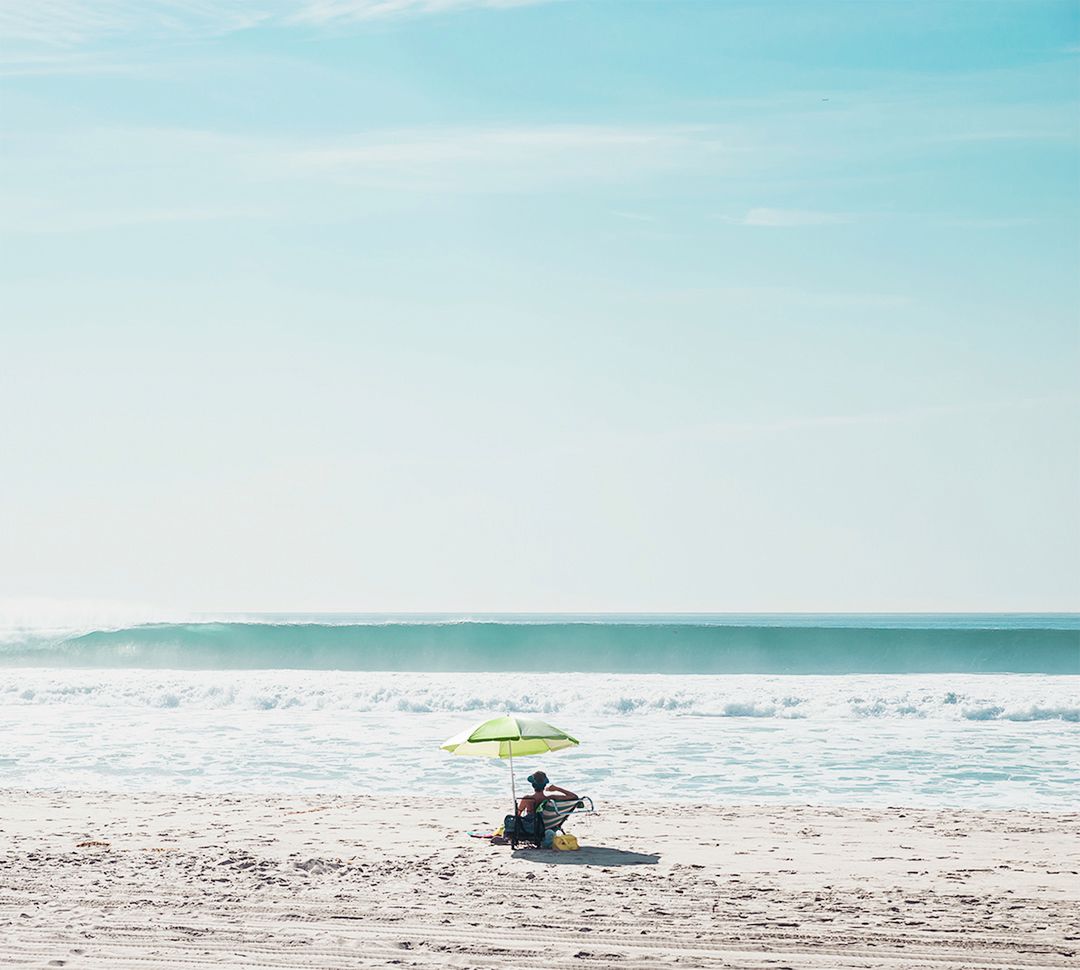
[588, 855]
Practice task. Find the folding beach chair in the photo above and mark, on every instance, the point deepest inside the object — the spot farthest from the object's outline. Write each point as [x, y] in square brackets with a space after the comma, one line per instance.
[551, 814]
[555, 811]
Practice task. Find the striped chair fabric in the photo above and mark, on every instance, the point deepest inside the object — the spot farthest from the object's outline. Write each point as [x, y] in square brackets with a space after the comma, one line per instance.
[555, 811]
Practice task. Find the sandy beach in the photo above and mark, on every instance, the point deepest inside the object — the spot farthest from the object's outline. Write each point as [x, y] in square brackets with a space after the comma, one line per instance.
[668, 401]
[162, 881]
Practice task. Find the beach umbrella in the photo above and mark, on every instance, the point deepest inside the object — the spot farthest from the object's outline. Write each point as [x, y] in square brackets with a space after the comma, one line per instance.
[506, 736]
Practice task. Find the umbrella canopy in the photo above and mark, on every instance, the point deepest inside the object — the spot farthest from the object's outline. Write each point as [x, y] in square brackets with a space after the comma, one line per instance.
[506, 736]
[509, 735]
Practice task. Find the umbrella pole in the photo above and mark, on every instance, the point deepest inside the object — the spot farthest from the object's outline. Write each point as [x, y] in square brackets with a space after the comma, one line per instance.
[513, 787]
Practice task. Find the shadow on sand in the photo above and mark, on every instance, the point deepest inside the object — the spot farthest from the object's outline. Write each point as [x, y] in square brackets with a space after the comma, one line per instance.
[587, 855]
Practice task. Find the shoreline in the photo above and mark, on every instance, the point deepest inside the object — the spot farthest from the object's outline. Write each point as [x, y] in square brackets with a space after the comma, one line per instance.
[497, 805]
[324, 881]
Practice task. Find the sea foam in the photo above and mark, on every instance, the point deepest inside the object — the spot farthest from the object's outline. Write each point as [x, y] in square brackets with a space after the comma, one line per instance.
[951, 697]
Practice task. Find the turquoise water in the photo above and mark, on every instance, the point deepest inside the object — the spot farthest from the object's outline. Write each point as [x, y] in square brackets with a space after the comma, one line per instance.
[796, 644]
[962, 711]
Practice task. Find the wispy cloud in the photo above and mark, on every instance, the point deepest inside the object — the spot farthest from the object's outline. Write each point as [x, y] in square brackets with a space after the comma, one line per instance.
[790, 218]
[633, 216]
[58, 63]
[180, 175]
[72, 23]
[898, 416]
[327, 11]
[1027, 133]
[47, 217]
[404, 147]
[989, 222]
[507, 156]
[801, 218]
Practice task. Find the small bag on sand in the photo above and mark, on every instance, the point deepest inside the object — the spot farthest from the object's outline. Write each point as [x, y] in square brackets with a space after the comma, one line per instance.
[566, 843]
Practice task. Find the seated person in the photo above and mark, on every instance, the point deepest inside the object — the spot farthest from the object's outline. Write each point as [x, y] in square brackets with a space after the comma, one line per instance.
[542, 789]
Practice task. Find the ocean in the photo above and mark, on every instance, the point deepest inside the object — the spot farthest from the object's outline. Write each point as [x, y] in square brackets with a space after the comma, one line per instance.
[964, 711]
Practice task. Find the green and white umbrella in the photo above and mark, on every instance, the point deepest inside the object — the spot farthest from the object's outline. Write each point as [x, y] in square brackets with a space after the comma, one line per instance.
[506, 736]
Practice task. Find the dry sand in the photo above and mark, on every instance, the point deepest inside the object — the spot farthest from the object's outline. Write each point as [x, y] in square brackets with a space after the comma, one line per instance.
[307, 882]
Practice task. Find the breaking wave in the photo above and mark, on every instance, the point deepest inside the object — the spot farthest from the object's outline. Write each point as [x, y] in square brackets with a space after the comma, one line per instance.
[691, 645]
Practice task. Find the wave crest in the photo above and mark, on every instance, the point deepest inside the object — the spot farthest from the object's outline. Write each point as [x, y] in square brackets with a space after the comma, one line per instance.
[685, 647]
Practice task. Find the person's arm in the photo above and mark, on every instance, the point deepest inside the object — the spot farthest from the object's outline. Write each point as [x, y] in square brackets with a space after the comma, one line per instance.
[525, 805]
[561, 791]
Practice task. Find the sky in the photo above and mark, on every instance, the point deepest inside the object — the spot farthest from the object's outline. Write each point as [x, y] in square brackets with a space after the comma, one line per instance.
[440, 305]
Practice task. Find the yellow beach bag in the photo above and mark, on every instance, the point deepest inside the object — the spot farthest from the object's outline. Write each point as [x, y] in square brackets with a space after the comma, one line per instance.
[566, 843]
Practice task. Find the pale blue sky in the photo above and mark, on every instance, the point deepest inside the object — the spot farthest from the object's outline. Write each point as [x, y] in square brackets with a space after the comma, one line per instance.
[451, 305]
